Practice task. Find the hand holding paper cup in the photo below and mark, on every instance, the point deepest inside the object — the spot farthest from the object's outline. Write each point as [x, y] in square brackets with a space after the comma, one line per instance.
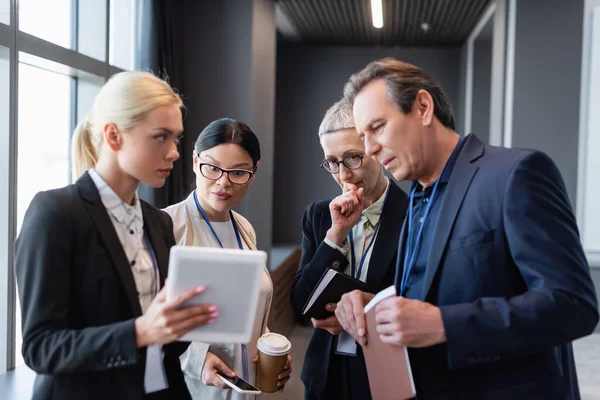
[273, 350]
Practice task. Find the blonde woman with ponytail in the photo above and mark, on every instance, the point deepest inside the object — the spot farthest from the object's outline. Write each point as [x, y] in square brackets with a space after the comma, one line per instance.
[91, 257]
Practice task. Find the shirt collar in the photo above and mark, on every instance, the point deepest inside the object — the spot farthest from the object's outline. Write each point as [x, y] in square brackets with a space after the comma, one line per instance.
[121, 211]
[373, 212]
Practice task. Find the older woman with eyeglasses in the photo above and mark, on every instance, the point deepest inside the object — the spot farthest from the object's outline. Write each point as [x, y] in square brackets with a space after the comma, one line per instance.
[226, 156]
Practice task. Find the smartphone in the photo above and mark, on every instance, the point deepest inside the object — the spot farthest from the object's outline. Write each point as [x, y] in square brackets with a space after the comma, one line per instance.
[238, 384]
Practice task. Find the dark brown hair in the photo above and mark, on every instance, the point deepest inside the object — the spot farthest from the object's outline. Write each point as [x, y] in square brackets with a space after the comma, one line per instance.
[403, 81]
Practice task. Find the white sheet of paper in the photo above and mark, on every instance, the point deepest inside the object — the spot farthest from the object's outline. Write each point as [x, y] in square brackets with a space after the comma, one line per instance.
[155, 378]
[346, 344]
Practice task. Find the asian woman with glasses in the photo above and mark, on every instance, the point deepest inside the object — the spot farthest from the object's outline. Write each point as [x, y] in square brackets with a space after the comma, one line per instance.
[225, 160]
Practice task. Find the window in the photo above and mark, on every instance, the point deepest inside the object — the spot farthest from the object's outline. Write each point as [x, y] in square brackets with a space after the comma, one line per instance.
[48, 20]
[45, 128]
[39, 110]
[91, 35]
[43, 143]
[589, 137]
[122, 34]
[5, 12]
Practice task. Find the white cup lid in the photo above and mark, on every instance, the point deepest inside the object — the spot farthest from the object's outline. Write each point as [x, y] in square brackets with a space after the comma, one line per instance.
[274, 344]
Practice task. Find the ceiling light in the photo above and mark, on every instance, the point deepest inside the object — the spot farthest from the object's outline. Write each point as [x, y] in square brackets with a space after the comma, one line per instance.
[425, 27]
[377, 13]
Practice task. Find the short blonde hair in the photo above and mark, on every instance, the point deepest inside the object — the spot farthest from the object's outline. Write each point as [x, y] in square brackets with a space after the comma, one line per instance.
[124, 101]
[337, 118]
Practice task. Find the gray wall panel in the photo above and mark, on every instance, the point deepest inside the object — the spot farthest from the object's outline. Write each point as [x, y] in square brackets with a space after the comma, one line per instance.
[309, 81]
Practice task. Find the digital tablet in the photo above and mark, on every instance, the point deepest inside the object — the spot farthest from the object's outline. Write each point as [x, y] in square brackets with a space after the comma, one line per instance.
[232, 280]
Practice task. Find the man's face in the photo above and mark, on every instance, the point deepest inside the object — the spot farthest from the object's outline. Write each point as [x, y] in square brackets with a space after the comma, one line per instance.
[344, 143]
[391, 137]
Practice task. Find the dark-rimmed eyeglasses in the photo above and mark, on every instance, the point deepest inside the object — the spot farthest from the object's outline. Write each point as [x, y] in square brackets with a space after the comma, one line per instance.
[237, 176]
[351, 161]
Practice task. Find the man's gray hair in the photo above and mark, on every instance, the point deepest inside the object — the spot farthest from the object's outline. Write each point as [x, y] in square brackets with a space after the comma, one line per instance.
[337, 118]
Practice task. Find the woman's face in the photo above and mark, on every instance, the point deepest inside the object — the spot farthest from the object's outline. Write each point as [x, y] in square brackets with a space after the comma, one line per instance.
[222, 194]
[148, 150]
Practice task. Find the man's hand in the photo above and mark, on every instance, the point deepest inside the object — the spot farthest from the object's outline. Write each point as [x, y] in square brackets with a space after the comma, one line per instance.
[209, 376]
[351, 316]
[345, 212]
[411, 323]
[330, 324]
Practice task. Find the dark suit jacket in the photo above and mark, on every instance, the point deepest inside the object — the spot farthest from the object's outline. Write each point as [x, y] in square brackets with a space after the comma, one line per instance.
[79, 299]
[508, 271]
[317, 257]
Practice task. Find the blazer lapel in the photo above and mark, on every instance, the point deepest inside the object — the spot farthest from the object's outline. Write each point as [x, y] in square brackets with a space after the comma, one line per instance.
[386, 243]
[106, 231]
[458, 185]
[159, 246]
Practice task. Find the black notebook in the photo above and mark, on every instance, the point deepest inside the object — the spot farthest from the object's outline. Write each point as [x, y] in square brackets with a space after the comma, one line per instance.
[331, 287]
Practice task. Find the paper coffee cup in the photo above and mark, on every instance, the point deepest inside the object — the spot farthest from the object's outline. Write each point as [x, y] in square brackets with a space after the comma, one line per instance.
[273, 350]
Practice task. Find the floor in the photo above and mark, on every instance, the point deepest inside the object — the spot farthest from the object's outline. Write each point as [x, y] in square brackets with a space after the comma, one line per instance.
[587, 357]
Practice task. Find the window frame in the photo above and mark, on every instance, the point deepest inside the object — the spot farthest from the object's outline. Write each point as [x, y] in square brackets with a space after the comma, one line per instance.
[20, 42]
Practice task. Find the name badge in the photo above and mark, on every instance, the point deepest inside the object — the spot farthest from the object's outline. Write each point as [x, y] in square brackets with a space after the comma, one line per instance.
[346, 345]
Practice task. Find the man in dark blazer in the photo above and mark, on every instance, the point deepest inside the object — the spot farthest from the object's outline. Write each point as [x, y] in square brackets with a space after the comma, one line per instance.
[329, 372]
[493, 281]
[79, 300]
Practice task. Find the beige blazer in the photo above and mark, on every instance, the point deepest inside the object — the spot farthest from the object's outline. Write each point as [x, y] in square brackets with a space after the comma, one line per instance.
[186, 228]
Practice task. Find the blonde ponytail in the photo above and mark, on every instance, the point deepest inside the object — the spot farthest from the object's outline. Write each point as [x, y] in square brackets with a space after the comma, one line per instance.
[123, 101]
[84, 151]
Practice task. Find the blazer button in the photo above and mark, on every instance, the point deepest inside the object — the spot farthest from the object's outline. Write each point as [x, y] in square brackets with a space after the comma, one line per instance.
[335, 264]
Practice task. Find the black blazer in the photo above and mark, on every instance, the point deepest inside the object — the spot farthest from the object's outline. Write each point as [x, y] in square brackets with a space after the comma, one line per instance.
[317, 257]
[508, 271]
[79, 300]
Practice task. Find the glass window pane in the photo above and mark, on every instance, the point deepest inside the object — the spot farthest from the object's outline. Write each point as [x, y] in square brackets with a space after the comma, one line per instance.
[5, 12]
[44, 124]
[122, 34]
[591, 225]
[4, 198]
[48, 20]
[87, 89]
[91, 25]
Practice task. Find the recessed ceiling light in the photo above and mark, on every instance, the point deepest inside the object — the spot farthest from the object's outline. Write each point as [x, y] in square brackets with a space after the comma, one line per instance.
[377, 13]
[425, 27]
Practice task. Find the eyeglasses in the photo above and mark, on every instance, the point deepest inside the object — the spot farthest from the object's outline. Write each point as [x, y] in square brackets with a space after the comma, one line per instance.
[351, 161]
[237, 176]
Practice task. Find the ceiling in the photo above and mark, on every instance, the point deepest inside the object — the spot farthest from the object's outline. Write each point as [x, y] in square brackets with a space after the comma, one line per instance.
[349, 22]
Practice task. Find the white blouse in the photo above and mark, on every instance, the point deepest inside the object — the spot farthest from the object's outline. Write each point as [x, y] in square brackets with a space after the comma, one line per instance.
[190, 229]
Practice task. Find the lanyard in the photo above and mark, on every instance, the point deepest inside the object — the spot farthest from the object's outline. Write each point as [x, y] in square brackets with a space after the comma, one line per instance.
[235, 227]
[410, 253]
[239, 240]
[366, 251]
[154, 264]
